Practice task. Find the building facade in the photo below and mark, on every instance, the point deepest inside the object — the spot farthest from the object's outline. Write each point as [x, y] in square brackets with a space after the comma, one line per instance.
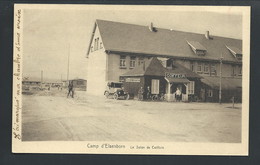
[117, 48]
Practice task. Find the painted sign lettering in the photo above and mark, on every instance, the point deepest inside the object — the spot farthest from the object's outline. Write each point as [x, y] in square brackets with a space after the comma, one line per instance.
[132, 80]
[174, 75]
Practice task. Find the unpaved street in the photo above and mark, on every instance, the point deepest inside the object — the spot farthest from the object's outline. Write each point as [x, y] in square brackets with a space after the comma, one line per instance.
[53, 117]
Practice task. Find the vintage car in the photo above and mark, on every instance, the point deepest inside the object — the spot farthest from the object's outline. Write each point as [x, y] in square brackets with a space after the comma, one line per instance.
[116, 90]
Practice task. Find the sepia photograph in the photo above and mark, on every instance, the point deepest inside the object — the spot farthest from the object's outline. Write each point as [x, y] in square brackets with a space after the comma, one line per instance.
[131, 79]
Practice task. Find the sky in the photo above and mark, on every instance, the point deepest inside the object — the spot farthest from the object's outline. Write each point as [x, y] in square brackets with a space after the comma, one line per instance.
[51, 35]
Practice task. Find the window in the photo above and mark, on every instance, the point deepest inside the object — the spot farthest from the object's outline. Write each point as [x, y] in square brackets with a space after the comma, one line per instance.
[240, 70]
[141, 61]
[213, 69]
[191, 87]
[210, 93]
[122, 62]
[199, 67]
[233, 70]
[91, 49]
[192, 66]
[95, 44]
[206, 68]
[155, 86]
[101, 45]
[132, 62]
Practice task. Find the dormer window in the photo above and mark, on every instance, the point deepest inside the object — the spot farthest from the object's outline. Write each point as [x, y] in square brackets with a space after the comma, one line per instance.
[197, 48]
[235, 52]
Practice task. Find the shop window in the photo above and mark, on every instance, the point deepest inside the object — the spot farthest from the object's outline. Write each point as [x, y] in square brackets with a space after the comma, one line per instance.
[155, 86]
[132, 61]
[199, 67]
[210, 93]
[122, 62]
[140, 61]
[213, 69]
[192, 66]
[191, 87]
[206, 68]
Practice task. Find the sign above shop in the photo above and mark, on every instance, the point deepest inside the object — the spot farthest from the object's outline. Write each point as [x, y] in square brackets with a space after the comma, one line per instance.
[132, 80]
[174, 75]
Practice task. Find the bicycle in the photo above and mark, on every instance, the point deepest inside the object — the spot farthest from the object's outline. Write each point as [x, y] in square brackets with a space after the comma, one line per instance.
[158, 97]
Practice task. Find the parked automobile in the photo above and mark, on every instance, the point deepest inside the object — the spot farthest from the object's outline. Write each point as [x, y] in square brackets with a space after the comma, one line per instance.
[116, 90]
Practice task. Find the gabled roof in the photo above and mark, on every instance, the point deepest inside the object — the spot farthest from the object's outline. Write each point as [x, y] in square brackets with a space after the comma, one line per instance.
[129, 38]
[234, 50]
[153, 67]
[196, 45]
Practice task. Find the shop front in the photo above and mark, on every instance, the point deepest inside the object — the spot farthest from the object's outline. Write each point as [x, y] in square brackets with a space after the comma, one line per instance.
[176, 84]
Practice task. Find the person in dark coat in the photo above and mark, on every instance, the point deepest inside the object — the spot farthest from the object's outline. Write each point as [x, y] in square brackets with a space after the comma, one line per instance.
[148, 92]
[70, 90]
[141, 94]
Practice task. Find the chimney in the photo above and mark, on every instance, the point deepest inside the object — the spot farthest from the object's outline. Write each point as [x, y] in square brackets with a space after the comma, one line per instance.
[207, 35]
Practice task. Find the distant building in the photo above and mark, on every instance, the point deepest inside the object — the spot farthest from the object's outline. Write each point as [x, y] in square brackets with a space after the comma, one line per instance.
[118, 48]
[78, 84]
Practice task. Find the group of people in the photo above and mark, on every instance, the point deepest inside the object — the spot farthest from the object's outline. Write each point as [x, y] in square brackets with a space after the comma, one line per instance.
[144, 93]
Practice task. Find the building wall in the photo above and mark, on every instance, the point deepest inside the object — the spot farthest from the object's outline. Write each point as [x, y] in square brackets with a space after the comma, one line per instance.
[114, 69]
[227, 69]
[97, 68]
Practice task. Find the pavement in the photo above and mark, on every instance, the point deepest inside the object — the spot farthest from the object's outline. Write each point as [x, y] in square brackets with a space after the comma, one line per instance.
[51, 116]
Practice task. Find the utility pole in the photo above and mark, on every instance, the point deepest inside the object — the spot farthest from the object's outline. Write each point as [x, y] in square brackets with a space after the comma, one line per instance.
[220, 79]
[41, 76]
[68, 63]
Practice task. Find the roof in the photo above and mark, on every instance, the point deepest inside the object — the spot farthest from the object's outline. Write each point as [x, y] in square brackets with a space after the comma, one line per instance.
[122, 37]
[196, 45]
[177, 80]
[226, 83]
[153, 67]
[234, 50]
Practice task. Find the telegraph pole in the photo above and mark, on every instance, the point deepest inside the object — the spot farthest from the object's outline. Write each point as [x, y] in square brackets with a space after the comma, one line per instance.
[41, 76]
[220, 79]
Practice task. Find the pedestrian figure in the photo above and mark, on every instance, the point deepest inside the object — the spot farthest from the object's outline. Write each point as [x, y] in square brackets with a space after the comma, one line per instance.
[141, 94]
[70, 88]
[148, 93]
[178, 94]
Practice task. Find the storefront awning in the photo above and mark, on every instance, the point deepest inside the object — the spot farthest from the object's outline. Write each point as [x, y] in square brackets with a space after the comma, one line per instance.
[176, 80]
[226, 83]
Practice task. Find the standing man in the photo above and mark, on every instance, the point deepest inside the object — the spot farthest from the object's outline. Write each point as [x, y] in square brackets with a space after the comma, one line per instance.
[70, 89]
[178, 94]
[148, 93]
[141, 94]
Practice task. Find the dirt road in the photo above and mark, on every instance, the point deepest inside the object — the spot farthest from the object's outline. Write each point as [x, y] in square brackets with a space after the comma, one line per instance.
[55, 117]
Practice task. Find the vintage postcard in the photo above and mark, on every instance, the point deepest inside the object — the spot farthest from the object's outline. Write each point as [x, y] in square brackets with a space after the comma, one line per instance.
[131, 79]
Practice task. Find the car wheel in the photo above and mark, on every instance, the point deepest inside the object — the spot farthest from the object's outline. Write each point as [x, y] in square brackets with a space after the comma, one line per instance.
[127, 96]
[106, 94]
[115, 96]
